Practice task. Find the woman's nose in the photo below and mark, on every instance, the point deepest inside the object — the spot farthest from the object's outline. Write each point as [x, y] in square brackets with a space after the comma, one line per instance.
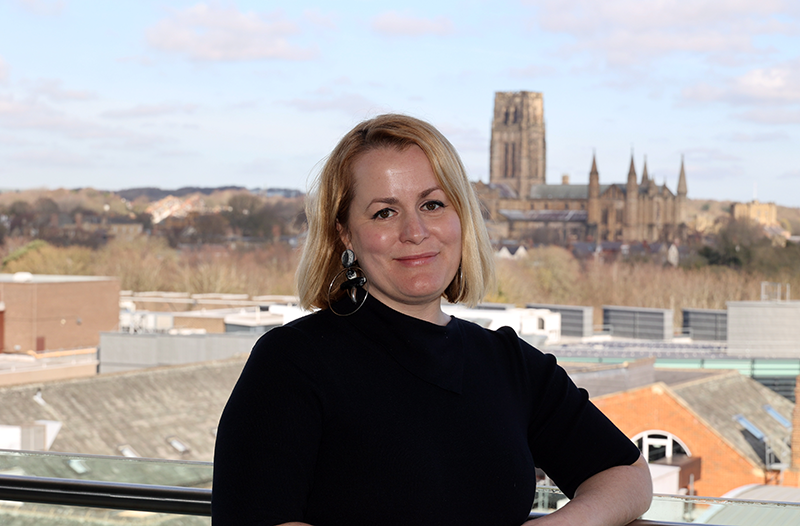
[414, 229]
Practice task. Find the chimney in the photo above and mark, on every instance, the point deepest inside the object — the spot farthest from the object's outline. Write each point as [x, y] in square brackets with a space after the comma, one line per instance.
[565, 179]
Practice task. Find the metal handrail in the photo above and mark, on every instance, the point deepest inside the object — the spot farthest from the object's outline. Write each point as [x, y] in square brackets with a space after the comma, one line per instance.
[137, 497]
[110, 495]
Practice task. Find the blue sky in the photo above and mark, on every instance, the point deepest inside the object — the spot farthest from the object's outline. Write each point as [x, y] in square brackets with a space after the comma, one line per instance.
[168, 93]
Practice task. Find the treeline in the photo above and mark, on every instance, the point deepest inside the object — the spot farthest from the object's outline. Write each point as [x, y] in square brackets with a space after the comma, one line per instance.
[149, 263]
[243, 215]
[743, 244]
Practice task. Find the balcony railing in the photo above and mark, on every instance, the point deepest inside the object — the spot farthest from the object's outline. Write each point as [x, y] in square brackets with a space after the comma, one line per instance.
[52, 486]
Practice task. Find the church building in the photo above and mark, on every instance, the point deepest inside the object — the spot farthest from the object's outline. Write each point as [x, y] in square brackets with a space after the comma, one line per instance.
[520, 205]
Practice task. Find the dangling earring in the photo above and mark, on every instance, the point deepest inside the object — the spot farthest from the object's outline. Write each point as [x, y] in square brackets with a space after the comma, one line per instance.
[355, 283]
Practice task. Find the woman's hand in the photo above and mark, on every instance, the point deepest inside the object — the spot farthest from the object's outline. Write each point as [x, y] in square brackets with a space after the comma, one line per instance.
[613, 497]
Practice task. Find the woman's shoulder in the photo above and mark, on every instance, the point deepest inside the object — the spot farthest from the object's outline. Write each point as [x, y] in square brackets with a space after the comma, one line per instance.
[301, 342]
[504, 341]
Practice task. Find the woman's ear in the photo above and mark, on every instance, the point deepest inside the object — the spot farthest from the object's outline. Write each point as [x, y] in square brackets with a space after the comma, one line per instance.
[344, 235]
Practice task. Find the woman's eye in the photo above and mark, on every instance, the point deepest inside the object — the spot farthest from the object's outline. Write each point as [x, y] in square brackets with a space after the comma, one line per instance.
[433, 205]
[384, 213]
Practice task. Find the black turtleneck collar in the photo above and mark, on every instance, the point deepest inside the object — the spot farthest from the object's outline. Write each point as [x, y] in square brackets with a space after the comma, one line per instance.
[431, 352]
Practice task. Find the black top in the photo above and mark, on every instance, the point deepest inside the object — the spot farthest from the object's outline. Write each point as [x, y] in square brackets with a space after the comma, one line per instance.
[381, 418]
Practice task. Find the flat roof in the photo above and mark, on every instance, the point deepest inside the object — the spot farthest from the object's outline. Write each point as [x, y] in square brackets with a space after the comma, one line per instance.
[26, 277]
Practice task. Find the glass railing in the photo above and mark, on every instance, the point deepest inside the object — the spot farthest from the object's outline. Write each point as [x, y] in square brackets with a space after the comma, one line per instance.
[66, 489]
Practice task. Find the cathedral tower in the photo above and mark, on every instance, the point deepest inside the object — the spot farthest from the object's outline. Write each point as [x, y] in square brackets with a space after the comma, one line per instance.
[518, 148]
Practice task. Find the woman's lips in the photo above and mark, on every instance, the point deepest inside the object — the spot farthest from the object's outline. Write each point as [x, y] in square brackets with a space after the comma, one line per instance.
[416, 259]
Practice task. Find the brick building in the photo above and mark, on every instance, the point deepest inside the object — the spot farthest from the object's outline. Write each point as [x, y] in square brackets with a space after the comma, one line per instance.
[43, 312]
[740, 431]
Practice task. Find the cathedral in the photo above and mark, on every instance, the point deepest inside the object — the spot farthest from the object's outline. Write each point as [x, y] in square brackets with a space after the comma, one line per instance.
[520, 205]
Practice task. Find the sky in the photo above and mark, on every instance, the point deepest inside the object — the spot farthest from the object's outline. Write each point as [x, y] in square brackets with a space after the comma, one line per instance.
[125, 94]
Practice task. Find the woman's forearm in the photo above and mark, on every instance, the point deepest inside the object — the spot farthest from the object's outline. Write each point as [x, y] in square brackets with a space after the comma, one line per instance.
[613, 497]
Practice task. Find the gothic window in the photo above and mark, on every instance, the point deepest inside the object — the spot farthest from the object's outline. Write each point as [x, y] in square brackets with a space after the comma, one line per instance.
[510, 159]
[505, 119]
[619, 216]
[566, 206]
[516, 115]
[656, 444]
[604, 220]
[583, 206]
[658, 212]
[546, 206]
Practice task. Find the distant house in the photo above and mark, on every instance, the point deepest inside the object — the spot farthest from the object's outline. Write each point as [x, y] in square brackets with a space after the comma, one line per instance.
[512, 252]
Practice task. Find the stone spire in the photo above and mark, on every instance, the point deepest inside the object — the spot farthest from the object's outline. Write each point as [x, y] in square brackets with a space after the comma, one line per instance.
[682, 191]
[632, 175]
[645, 177]
[630, 230]
[593, 212]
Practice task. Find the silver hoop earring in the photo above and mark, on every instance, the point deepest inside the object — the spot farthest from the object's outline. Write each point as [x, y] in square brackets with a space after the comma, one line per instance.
[355, 283]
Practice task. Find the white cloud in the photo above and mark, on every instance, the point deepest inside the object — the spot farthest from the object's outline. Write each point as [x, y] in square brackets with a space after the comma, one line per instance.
[213, 33]
[762, 87]
[771, 116]
[778, 84]
[759, 137]
[794, 174]
[151, 110]
[393, 23]
[42, 7]
[3, 70]
[34, 116]
[52, 89]
[709, 155]
[630, 32]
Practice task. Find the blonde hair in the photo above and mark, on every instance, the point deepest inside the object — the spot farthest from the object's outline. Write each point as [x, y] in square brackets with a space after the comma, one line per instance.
[332, 193]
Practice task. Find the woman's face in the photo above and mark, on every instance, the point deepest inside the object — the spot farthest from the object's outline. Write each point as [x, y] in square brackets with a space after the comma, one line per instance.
[402, 227]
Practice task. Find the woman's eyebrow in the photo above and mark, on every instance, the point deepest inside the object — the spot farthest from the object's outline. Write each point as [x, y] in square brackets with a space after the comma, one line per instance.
[394, 200]
[429, 191]
[384, 200]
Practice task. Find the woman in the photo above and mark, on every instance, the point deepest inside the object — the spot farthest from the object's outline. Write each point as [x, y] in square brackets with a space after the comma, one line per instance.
[379, 408]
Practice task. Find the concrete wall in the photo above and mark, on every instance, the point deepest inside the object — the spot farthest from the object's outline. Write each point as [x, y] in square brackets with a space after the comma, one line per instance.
[126, 352]
[764, 328]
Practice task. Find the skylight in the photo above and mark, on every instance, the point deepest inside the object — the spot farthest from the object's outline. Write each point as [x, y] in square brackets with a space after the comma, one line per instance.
[179, 446]
[777, 416]
[127, 451]
[750, 427]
